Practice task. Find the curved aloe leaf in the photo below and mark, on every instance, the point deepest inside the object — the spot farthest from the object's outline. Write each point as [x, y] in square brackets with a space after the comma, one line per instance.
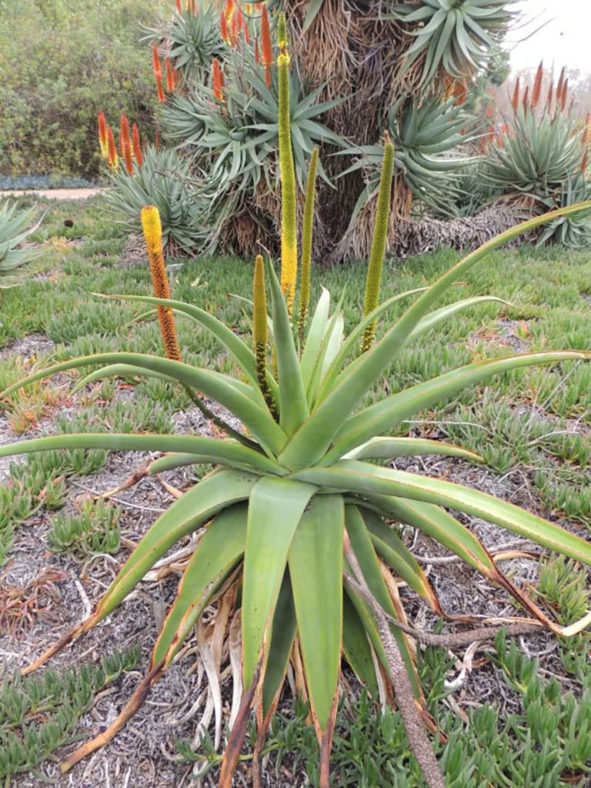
[197, 506]
[352, 339]
[315, 336]
[316, 572]
[363, 478]
[257, 419]
[438, 316]
[225, 336]
[293, 405]
[174, 460]
[392, 410]
[395, 553]
[116, 371]
[315, 436]
[282, 636]
[387, 448]
[370, 566]
[218, 551]
[211, 450]
[274, 512]
[357, 649]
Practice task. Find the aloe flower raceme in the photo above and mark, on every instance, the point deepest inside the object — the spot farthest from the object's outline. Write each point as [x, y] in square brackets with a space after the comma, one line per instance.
[125, 144]
[157, 68]
[112, 159]
[217, 80]
[102, 135]
[266, 45]
[289, 241]
[152, 228]
[297, 514]
[137, 145]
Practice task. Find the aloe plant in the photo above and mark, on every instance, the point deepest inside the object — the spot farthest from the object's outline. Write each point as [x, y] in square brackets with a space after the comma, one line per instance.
[15, 228]
[295, 507]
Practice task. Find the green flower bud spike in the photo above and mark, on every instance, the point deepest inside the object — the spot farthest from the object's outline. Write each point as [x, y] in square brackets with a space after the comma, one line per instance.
[307, 245]
[378, 249]
[289, 243]
[259, 330]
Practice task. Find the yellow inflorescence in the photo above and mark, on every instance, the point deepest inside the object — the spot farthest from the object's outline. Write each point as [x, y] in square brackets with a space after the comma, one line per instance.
[289, 242]
[152, 228]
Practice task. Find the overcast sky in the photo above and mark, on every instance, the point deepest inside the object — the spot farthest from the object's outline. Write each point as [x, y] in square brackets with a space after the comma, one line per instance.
[565, 40]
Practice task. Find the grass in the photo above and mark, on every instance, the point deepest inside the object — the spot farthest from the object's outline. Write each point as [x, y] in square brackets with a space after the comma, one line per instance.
[535, 422]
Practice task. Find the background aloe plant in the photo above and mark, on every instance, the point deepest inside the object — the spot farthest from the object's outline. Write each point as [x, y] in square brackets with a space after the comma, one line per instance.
[15, 228]
[295, 515]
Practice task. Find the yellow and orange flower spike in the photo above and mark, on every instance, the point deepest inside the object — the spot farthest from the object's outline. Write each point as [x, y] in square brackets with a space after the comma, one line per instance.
[217, 80]
[267, 46]
[112, 159]
[289, 239]
[125, 144]
[152, 228]
[170, 76]
[123, 132]
[102, 135]
[137, 146]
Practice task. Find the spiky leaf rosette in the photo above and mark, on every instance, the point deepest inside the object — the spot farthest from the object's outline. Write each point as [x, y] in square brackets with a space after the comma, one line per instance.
[455, 37]
[275, 515]
[15, 228]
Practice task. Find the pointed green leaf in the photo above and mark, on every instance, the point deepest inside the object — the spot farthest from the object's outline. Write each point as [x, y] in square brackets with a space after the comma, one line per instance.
[218, 551]
[275, 510]
[282, 636]
[389, 448]
[316, 571]
[357, 649]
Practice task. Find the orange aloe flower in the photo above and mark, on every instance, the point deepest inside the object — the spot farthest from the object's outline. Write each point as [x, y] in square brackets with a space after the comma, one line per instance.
[112, 159]
[102, 134]
[137, 146]
[152, 228]
[246, 32]
[170, 76]
[217, 80]
[257, 52]
[515, 99]
[123, 132]
[157, 65]
[224, 26]
[178, 6]
[266, 38]
[537, 85]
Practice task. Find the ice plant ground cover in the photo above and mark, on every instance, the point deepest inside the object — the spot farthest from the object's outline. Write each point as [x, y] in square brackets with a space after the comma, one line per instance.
[535, 420]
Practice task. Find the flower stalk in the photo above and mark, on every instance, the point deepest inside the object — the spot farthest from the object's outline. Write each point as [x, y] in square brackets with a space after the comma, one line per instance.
[378, 249]
[102, 135]
[307, 235]
[152, 228]
[289, 243]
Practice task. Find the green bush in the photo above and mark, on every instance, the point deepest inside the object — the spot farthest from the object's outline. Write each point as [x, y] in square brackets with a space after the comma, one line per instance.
[59, 65]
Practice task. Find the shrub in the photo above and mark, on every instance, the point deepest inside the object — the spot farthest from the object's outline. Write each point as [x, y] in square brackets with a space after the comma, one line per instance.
[297, 521]
[63, 66]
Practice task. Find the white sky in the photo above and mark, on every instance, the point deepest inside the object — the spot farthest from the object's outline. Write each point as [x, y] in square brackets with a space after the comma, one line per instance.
[565, 40]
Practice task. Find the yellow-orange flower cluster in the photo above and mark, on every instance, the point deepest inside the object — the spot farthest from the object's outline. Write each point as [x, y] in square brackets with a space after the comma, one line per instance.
[157, 67]
[129, 144]
[217, 80]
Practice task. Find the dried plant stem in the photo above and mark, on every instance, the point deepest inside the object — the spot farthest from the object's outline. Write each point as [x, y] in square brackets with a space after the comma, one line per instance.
[405, 698]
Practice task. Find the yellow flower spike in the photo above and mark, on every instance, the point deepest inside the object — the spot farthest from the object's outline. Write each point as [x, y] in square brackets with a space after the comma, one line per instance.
[307, 232]
[259, 329]
[289, 243]
[378, 249]
[152, 228]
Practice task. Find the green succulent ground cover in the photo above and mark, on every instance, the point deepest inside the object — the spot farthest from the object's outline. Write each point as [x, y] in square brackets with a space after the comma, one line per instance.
[535, 421]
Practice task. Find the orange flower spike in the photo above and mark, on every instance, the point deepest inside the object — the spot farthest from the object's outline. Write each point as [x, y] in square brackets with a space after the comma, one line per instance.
[515, 99]
[178, 6]
[102, 134]
[224, 26]
[266, 38]
[537, 85]
[526, 99]
[123, 133]
[156, 64]
[217, 80]
[246, 32]
[152, 227]
[137, 146]
[257, 52]
[564, 94]
[239, 19]
[235, 31]
[112, 159]
[170, 78]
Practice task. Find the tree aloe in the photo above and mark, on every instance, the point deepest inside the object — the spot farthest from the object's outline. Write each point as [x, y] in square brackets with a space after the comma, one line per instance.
[297, 508]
